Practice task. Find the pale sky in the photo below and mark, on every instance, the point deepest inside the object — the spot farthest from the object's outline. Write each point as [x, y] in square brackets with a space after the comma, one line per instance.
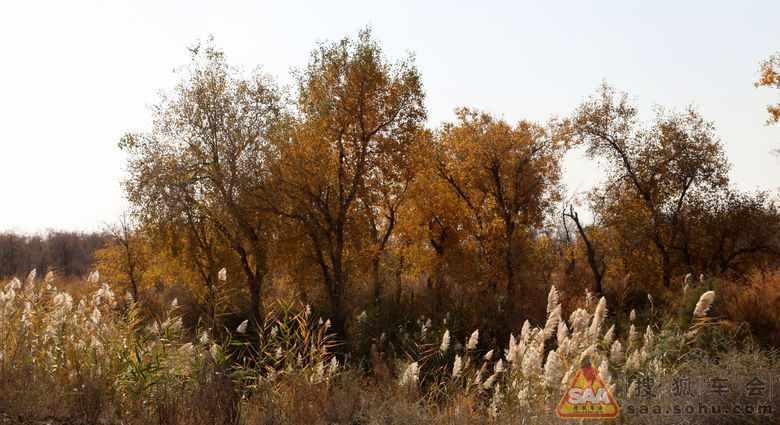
[75, 76]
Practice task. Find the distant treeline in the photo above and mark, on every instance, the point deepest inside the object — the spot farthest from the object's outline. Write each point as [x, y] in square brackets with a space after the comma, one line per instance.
[67, 253]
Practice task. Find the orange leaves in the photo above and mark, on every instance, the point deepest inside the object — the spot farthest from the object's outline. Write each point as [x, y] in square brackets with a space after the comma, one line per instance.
[770, 77]
[504, 180]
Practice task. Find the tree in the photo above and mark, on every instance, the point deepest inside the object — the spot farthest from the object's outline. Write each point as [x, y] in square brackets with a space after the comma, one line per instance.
[505, 178]
[434, 227]
[770, 77]
[732, 234]
[204, 159]
[652, 170]
[67, 253]
[356, 114]
[130, 249]
[596, 261]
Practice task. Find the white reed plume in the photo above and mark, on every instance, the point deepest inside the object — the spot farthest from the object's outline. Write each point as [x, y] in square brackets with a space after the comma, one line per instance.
[105, 293]
[535, 337]
[604, 372]
[552, 299]
[62, 298]
[14, 284]
[457, 366]
[553, 369]
[488, 355]
[632, 315]
[411, 375]
[563, 332]
[222, 274]
[95, 316]
[553, 318]
[490, 381]
[564, 347]
[27, 314]
[49, 277]
[632, 334]
[632, 388]
[511, 352]
[592, 349]
[473, 340]
[577, 320]
[278, 354]
[650, 298]
[579, 326]
[94, 277]
[445, 342]
[204, 337]
[658, 369]
[609, 336]
[7, 298]
[647, 345]
[494, 401]
[598, 318]
[319, 375]
[363, 315]
[588, 298]
[480, 372]
[704, 304]
[187, 350]
[334, 365]
[616, 352]
[632, 363]
[522, 397]
[242, 327]
[648, 342]
[525, 332]
[532, 362]
[569, 375]
[31, 275]
[601, 310]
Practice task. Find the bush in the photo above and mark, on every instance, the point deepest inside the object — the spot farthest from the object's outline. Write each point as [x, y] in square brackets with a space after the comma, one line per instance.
[95, 360]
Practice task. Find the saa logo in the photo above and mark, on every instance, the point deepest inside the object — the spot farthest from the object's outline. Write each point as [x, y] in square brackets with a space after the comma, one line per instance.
[587, 396]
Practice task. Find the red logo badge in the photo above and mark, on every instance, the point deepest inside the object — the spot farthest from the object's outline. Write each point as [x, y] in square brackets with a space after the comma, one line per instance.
[587, 396]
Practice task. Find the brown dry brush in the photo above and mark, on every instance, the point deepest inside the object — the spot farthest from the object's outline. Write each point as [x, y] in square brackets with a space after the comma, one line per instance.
[95, 360]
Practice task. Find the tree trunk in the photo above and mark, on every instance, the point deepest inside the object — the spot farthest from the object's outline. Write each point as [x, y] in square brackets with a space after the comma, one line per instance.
[509, 264]
[667, 268]
[378, 286]
[598, 275]
[338, 312]
[255, 305]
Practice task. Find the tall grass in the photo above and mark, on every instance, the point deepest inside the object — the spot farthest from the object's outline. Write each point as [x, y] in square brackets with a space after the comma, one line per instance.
[99, 359]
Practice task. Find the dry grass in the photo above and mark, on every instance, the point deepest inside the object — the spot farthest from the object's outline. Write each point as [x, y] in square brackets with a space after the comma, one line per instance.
[94, 360]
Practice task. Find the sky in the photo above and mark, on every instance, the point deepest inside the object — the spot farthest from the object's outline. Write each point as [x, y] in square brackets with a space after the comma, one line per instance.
[76, 76]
